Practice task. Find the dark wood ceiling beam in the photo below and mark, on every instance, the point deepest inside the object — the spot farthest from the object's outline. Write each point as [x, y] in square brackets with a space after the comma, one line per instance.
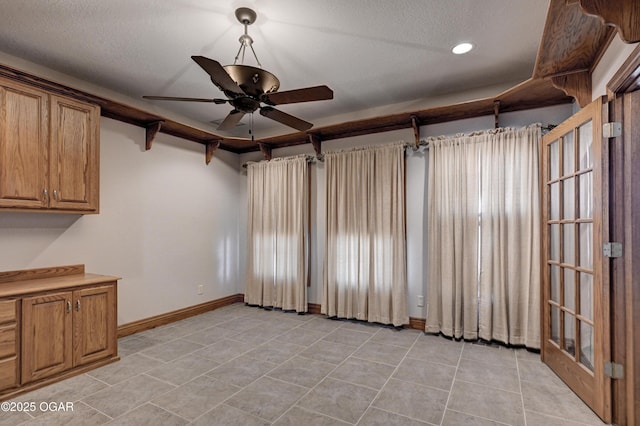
[211, 148]
[577, 85]
[416, 130]
[152, 130]
[571, 40]
[316, 142]
[624, 15]
[266, 150]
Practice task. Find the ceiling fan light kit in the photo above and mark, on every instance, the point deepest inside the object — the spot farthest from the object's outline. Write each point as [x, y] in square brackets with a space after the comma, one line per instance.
[248, 87]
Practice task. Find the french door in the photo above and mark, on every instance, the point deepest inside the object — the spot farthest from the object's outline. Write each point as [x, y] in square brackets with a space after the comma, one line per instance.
[575, 338]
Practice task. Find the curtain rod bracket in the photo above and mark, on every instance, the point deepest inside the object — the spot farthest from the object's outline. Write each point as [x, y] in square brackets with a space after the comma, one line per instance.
[496, 112]
[416, 130]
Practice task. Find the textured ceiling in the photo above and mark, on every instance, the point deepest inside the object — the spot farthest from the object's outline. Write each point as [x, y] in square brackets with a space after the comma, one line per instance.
[374, 54]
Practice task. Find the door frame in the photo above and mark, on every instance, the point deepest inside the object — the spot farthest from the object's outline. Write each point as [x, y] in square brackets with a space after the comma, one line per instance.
[624, 168]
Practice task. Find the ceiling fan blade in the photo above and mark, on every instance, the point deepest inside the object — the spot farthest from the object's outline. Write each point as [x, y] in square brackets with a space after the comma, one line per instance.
[286, 119]
[231, 120]
[172, 98]
[308, 94]
[218, 75]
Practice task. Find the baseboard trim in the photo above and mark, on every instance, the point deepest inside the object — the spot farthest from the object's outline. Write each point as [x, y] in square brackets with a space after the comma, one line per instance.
[180, 314]
[417, 323]
[313, 308]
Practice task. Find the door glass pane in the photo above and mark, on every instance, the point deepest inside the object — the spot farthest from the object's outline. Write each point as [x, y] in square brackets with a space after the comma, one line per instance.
[586, 345]
[585, 133]
[568, 154]
[555, 283]
[555, 324]
[554, 160]
[586, 295]
[569, 288]
[569, 344]
[586, 196]
[586, 245]
[568, 243]
[554, 242]
[554, 202]
[569, 199]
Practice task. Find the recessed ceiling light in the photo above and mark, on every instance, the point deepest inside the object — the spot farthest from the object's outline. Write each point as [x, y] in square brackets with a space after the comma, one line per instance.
[462, 48]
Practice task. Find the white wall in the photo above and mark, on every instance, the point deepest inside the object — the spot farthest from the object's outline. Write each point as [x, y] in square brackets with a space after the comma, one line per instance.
[167, 224]
[416, 181]
[617, 52]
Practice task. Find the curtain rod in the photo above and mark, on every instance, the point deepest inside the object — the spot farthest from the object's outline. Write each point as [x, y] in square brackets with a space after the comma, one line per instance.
[309, 158]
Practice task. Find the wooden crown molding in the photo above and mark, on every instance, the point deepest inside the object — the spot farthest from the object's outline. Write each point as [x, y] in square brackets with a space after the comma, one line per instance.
[624, 15]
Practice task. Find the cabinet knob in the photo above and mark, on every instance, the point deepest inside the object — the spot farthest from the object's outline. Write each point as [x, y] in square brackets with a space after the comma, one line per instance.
[46, 194]
[55, 194]
[78, 305]
[68, 305]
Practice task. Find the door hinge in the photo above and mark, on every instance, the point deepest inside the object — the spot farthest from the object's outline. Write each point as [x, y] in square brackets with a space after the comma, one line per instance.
[613, 370]
[612, 130]
[612, 249]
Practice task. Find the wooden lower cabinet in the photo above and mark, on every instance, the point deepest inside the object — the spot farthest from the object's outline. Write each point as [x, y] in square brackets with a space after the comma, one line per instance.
[54, 327]
[67, 329]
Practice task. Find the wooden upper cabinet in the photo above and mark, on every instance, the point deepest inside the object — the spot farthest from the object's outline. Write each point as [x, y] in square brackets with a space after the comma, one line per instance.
[49, 151]
[74, 153]
[24, 146]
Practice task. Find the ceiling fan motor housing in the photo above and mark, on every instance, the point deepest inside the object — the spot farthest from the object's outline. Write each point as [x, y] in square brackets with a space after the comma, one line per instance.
[255, 82]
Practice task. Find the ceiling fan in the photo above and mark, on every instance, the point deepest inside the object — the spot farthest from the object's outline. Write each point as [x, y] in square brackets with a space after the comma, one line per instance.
[247, 87]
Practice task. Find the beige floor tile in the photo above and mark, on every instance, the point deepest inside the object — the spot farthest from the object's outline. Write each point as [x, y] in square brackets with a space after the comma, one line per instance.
[125, 369]
[196, 397]
[302, 371]
[339, 399]
[333, 353]
[390, 336]
[537, 419]
[387, 354]
[436, 349]
[171, 350]
[183, 369]
[276, 352]
[455, 418]
[377, 417]
[301, 336]
[208, 336]
[224, 350]
[557, 401]
[150, 415]
[297, 416]
[495, 376]
[81, 415]
[228, 416]
[242, 371]
[363, 372]
[267, 398]
[486, 402]
[347, 337]
[439, 376]
[495, 355]
[412, 400]
[117, 400]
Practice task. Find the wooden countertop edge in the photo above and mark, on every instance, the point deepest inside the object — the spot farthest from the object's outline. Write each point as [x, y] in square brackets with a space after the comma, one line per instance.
[36, 285]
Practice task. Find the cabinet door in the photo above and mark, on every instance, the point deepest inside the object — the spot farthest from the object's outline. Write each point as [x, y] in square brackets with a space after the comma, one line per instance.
[74, 152]
[94, 324]
[23, 146]
[46, 335]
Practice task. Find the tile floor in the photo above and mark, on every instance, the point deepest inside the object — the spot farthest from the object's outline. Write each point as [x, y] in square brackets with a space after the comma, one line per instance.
[246, 366]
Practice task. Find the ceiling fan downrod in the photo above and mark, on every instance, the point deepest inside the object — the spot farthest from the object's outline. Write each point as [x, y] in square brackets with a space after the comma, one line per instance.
[246, 17]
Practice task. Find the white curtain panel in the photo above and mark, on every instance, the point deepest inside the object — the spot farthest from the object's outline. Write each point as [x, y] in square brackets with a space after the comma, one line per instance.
[453, 202]
[510, 238]
[484, 236]
[365, 262]
[278, 222]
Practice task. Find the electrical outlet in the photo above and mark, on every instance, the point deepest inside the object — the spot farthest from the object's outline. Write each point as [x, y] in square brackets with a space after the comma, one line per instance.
[420, 300]
[200, 289]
